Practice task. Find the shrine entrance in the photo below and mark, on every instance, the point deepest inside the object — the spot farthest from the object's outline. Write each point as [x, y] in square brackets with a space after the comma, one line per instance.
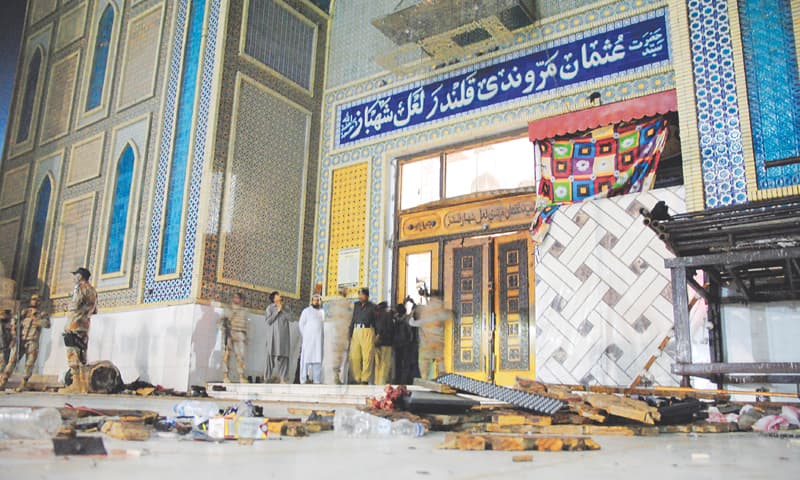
[488, 286]
[485, 277]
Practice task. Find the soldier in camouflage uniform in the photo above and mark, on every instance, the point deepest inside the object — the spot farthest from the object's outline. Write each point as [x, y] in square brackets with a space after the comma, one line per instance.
[5, 338]
[76, 333]
[234, 334]
[32, 321]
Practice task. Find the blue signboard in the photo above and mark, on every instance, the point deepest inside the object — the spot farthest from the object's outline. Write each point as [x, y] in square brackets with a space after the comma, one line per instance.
[615, 50]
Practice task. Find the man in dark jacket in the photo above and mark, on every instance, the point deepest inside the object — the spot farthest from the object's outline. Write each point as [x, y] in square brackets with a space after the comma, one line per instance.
[384, 337]
[406, 345]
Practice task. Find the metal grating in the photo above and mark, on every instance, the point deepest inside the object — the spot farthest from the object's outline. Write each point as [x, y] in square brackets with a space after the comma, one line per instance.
[518, 398]
[278, 37]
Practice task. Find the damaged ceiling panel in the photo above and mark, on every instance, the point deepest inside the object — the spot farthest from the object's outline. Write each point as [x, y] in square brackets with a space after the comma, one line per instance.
[443, 31]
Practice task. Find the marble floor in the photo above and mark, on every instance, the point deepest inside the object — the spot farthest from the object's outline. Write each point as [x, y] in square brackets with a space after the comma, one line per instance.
[327, 456]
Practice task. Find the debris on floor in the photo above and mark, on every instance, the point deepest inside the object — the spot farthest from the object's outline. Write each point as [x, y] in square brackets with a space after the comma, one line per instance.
[514, 443]
[83, 445]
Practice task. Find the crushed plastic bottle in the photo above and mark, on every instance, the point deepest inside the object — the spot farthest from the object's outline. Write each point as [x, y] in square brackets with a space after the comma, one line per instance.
[194, 408]
[29, 423]
[353, 423]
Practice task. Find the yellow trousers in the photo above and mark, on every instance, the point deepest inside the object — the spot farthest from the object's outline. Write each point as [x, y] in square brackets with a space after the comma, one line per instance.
[383, 365]
[362, 346]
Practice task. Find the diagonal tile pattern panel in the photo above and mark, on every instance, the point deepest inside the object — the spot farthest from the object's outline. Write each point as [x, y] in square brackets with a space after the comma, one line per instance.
[602, 293]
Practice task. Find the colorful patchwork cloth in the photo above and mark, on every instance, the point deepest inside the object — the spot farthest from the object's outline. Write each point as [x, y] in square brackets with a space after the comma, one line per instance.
[608, 161]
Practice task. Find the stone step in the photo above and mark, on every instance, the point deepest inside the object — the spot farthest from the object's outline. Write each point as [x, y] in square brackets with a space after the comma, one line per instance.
[322, 394]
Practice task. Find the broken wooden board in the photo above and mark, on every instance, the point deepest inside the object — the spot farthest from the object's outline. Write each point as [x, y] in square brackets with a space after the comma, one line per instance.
[307, 412]
[514, 443]
[508, 419]
[433, 386]
[587, 411]
[126, 431]
[577, 430]
[624, 407]
[292, 429]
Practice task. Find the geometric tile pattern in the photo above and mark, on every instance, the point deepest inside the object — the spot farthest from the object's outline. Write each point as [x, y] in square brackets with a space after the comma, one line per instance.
[12, 191]
[59, 99]
[72, 244]
[9, 234]
[265, 193]
[70, 26]
[489, 120]
[85, 160]
[181, 143]
[40, 9]
[718, 119]
[180, 288]
[349, 216]
[141, 57]
[603, 296]
[773, 88]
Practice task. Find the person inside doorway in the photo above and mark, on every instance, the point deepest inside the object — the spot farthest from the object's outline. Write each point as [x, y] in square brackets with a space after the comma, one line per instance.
[384, 337]
[362, 338]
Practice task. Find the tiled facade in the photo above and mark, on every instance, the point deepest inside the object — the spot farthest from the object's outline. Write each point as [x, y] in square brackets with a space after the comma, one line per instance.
[274, 89]
[210, 122]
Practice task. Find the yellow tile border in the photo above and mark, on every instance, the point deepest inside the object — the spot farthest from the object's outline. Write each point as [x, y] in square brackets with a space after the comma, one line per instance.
[687, 108]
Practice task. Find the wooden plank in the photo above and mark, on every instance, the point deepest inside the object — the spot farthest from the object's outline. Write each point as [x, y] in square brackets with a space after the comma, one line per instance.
[624, 407]
[522, 458]
[433, 386]
[517, 443]
[587, 411]
[507, 420]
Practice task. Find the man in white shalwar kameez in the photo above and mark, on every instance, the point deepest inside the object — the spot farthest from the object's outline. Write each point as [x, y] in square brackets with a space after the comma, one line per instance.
[311, 330]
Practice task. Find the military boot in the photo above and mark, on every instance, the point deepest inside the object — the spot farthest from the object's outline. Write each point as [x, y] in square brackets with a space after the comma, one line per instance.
[3, 381]
[23, 385]
[74, 386]
[243, 379]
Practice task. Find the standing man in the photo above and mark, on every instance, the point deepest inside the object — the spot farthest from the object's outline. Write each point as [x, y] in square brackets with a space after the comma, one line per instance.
[76, 333]
[278, 344]
[311, 330]
[384, 338]
[32, 321]
[362, 338]
[406, 344]
[234, 334]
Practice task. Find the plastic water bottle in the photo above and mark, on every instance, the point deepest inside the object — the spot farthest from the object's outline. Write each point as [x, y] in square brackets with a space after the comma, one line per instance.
[29, 423]
[407, 428]
[194, 408]
[353, 423]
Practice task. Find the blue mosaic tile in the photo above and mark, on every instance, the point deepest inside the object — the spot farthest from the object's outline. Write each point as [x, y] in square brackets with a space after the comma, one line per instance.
[28, 99]
[102, 47]
[180, 288]
[773, 88]
[721, 154]
[37, 233]
[119, 217]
